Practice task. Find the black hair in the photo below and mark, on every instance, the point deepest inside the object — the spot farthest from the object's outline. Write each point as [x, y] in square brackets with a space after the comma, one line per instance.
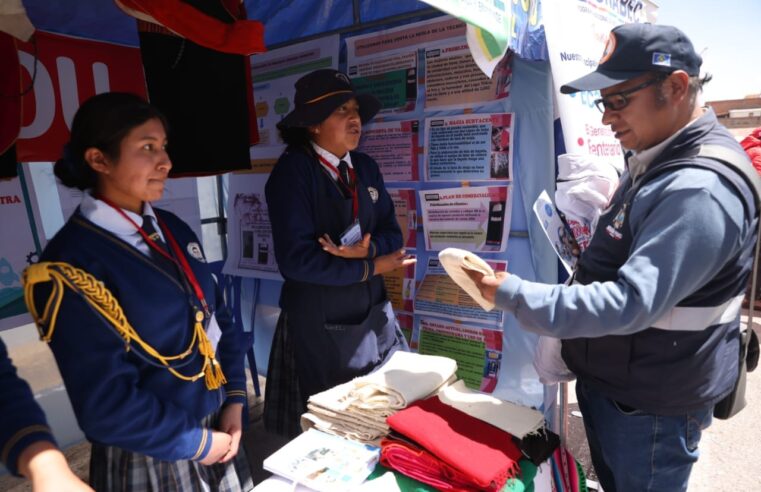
[102, 122]
[296, 137]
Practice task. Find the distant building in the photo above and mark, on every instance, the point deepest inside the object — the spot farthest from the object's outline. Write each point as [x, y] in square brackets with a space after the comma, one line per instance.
[740, 116]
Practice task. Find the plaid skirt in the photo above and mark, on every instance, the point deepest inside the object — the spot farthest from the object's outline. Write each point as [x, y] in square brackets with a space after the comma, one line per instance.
[283, 402]
[114, 469]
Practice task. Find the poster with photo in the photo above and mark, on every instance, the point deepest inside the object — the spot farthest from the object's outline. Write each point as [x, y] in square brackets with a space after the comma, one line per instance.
[250, 249]
[400, 287]
[394, 146]
[472, 147]
[439, 295]
[392, 78]
[556, 231]
[473, 218]
[478, 351]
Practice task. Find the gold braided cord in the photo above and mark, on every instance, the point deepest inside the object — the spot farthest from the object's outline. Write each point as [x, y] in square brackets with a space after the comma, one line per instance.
[100, 298]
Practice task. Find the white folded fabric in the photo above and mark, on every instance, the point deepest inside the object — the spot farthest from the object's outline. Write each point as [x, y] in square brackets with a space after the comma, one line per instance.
[516, 420]
[404, 378]
[549, 363]
[457, 262]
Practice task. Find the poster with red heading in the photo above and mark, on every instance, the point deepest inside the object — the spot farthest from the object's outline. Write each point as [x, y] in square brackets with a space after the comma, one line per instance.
[406, 214]
[64, 72]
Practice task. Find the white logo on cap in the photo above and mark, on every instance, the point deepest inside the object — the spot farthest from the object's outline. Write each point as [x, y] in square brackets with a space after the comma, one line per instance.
[662, 59]
[343, 78]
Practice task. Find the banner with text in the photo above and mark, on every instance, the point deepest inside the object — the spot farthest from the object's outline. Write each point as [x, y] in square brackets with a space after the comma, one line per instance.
[394, 146]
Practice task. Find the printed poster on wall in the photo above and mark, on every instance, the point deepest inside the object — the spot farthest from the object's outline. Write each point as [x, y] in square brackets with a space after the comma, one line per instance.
[406, 214]
[250, 249]
[439, 295]
[577, 33]
[274, 74]
[470, 147]
[383, 50]
[17, 249]
[556, 231]
[394, 146]
[407, 325]
[400, 287]
[453, 80]
[478, 351]
[391, 78]
[473, 218]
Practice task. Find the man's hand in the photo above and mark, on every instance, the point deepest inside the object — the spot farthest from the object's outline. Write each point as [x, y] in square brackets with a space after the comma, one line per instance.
[358, 250]
[230, 422]
[392, 261]
[487, 285]
[221, 444]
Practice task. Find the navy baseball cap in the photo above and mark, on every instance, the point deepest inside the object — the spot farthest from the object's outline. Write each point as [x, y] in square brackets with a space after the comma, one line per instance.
[635, 49]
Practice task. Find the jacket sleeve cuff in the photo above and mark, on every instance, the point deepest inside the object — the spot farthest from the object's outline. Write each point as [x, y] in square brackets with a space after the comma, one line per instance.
[505, 298]
[235, 394]
[19, 442]
[373, 252]
[204, 446]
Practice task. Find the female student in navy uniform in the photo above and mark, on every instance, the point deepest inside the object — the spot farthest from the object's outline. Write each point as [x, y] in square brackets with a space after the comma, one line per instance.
[335, 233]
[27, 444]
[127, 302]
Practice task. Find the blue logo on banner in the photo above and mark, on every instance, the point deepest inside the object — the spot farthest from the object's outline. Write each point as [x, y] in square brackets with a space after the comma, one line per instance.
[662, 59]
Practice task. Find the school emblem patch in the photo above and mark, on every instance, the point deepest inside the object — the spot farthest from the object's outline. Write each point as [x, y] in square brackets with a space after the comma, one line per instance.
[373, 194]
[194, 250]
[614, 228]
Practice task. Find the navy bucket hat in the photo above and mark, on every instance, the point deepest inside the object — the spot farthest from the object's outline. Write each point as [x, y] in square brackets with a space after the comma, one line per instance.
[319, 93]
[635, 49]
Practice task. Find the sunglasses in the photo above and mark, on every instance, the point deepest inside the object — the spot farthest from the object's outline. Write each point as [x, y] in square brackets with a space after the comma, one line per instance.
[619, 100]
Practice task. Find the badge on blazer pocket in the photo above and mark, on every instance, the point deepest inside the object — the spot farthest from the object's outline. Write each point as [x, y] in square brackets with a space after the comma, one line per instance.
[373, 194]
[194, 250]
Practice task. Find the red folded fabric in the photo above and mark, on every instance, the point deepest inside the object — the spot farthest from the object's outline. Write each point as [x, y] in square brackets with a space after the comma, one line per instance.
[421, 465]
[485, 455]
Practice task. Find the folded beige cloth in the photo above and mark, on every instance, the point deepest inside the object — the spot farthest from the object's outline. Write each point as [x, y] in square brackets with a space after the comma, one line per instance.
[404, 378]
[342, 425]
[516, 420]
[456, 262]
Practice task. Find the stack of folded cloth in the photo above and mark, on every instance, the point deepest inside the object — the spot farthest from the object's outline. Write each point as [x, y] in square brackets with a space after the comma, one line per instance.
[358, 409]
[463, 440]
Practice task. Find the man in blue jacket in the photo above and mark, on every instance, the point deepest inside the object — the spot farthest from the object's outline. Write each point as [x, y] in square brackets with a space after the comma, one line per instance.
[650, 325]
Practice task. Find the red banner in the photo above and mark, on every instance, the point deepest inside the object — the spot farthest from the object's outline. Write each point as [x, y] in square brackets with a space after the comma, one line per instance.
[68, 71]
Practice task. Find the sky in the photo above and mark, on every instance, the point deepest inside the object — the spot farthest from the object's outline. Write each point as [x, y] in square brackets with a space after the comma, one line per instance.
[727, 33]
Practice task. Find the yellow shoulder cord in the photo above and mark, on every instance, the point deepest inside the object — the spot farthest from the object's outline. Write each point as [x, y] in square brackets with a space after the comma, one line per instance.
[100, 298]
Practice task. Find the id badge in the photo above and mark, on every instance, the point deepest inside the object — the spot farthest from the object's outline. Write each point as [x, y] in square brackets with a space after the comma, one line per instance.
[213, 332]
[352, 235]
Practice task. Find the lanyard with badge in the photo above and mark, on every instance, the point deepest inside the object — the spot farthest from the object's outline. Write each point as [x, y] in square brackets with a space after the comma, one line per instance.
[208, 338]
[353, 234]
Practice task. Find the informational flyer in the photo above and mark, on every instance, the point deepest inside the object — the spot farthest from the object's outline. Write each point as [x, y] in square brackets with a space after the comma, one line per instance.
[470, 147]
[250, 250]
[400, 287]
[439, 295]
[17, 249]
[394, 146]
[473, 218]
[406, 214]
[274, 74]
[557, 233]
[478, 351]
[406, 38]
[453, 80]
[391, 78]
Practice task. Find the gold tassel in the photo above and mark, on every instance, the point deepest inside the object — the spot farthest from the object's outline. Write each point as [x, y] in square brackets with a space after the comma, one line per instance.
[212, 369]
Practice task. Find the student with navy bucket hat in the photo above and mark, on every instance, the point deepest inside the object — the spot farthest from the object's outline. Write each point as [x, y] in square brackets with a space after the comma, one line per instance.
[335, 233]
[651, 324]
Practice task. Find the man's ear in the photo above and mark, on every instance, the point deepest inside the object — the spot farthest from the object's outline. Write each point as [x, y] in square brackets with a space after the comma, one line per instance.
[677, 85]
[97, 160]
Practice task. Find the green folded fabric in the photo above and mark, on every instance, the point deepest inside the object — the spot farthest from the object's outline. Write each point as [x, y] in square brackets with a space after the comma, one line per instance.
[524, 482]
[405, 483]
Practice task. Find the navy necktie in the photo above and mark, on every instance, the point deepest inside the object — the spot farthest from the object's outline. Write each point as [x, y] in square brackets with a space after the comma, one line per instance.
[164, 262]
[343, 170]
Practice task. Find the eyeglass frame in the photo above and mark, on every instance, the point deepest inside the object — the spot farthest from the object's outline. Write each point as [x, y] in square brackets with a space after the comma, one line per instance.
[601, 104]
